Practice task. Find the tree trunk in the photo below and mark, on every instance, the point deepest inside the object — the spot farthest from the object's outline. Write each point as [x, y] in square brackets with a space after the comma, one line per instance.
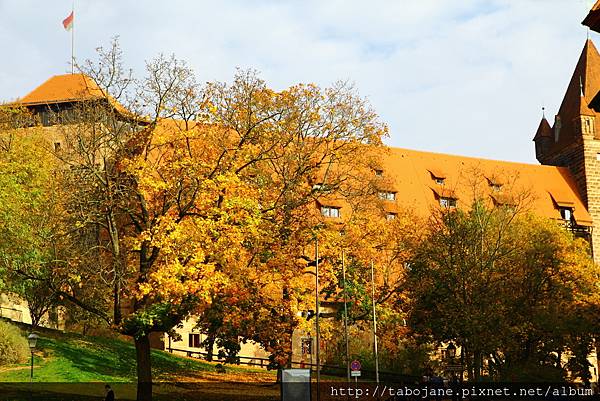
[476, 365]
[209, 348]
[144, 368]
[117, 302]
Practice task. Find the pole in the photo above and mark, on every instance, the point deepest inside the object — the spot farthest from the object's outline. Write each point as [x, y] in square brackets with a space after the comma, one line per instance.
[374, 323]
[31, 374]
[317, 317]
[346, 315]
[73, 40]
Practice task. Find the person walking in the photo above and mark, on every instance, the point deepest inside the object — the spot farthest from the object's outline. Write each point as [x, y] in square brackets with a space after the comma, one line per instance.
[109, 393]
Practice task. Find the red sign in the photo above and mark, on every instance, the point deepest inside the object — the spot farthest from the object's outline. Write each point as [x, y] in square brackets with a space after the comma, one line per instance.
[355, 365]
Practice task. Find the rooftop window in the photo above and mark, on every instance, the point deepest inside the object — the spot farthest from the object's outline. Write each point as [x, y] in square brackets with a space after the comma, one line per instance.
[566, 213]
[387, 195]
[330, 211]
[447, 202]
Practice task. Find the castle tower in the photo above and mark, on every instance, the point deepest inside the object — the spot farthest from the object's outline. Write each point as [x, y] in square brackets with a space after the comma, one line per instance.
[574, 140]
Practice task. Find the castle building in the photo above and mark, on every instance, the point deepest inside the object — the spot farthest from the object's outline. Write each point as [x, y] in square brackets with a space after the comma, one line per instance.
[564, 187]
[573, 141]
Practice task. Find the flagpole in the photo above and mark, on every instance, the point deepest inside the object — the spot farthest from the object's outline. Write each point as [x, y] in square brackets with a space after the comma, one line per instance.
[73, 39]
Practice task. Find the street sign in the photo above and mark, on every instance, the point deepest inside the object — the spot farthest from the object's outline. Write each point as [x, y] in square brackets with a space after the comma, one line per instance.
[454, 368]
[355, 365]
[355, 373]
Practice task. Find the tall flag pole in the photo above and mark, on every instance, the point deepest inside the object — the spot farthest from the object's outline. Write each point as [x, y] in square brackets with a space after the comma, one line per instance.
[69, 25]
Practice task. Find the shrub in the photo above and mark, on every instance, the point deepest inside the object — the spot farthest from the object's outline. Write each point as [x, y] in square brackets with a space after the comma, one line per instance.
[13, 345]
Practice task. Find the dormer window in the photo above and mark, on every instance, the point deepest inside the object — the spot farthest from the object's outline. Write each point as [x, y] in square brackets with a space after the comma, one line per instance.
[564, 202]
[379, 173]
[390, 216]
[387, 195]
[330, 211]
[496, 187]
[447, 202]
[437, 175]
[566, 213]
[317, 187]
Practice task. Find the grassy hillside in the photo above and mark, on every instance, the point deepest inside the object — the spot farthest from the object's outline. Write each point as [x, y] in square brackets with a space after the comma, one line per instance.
[86, 363]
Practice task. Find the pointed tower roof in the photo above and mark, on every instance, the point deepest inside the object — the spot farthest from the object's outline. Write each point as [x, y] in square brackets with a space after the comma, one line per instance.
[583, 87]
[544, 130]
[584, 84]
[592, 20]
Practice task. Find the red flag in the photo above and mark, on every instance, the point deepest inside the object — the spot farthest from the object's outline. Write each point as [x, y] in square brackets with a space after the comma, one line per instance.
[68, 22]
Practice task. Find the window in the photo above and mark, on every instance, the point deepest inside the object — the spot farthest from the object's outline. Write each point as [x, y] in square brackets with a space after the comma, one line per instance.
[496, 187]
[566, 213]
[379, 173]
[439, 181]
[194, 340]
[390, 196]
[447, 202]
[317, 187]
[57, 146]
[330, 211]
[390, 216]
[306, 346]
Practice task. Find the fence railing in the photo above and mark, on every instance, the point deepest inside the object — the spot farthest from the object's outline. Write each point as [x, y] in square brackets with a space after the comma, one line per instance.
[331, 370]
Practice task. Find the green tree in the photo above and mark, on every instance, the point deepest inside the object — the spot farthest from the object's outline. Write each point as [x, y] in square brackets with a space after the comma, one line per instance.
[29, 227]
[507, 287]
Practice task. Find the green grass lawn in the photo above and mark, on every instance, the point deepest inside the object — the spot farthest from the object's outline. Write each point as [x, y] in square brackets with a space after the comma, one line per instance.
[74, 358]
[84, 364]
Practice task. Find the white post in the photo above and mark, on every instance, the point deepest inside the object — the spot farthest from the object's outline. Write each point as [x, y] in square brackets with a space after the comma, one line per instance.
[346, 315]
[374, 324]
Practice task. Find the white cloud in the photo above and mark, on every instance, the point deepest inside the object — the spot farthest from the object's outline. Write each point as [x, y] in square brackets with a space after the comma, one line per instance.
[465, 77]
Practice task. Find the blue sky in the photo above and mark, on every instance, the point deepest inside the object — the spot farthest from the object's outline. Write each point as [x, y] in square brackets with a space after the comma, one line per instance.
[455, 76]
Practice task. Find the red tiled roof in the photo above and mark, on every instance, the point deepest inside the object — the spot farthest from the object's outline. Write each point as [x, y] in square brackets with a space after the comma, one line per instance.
[71, 88]
[410, 171]
[63, 88]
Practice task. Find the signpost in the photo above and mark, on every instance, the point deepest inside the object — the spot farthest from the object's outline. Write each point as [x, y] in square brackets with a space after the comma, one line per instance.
[454, 368]
[355, 369]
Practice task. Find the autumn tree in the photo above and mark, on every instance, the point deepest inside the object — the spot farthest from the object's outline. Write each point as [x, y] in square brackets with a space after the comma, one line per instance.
[211, 192]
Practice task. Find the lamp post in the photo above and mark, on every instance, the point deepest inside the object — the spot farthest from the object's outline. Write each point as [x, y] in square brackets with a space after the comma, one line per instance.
[451, 351]
[32, 338]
